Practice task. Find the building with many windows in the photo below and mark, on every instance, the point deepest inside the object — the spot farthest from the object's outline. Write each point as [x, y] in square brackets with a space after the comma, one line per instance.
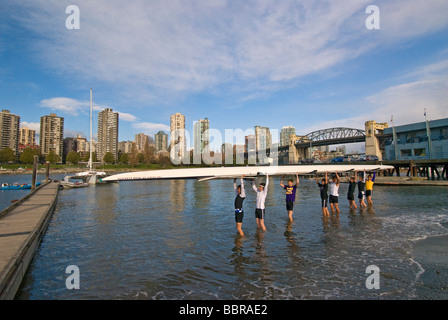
[161, 141]
[52, 135]
[201, 137]
[178, 143]
[263, 138]
[284, 135]
[9, 130]
[418, 141]
[107, 134]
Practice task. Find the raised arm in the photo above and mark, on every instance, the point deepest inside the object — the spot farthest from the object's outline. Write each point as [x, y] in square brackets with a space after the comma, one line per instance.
[281, 182]
[374, 175]
[364, 177]
[337, 178]
[243, 191]
[297, 179]
[267, 184]
[254, 187]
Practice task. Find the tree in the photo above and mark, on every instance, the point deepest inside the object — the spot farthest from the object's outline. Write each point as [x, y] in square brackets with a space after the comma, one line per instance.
[52, 157]
[87, 157]
[109, 158]
[7, 155]
[72, 157]
[148, 153]
[124, 158]
[27, 155]
[140, 158]
[133, 157]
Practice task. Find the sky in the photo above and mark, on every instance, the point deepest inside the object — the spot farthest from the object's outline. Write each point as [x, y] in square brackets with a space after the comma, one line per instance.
[240, 63]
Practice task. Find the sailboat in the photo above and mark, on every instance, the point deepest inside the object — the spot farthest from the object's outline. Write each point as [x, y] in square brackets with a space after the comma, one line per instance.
[91, 176]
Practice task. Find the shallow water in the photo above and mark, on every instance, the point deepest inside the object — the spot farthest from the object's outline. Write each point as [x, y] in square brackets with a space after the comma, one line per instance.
[177, 240]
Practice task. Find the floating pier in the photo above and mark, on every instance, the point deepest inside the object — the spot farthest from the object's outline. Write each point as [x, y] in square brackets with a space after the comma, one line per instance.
[22, 226]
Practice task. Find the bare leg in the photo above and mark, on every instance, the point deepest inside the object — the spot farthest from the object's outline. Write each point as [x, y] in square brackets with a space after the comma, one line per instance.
[240, 230]
[290, 215]
[337, 207]
[262, 226]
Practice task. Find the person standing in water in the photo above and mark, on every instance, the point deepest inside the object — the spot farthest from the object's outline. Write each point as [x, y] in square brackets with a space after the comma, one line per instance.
[361, 189]
[261, 191]
[239, 199]
[334, 193]
[351, 192]
[290, 194]
[369, 188]
[324, 194]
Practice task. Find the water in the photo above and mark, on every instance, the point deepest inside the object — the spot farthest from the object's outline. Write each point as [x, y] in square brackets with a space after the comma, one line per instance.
[8, 196]
[177, 240]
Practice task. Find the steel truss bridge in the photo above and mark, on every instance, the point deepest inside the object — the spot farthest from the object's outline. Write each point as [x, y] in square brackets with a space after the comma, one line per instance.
[327, 137]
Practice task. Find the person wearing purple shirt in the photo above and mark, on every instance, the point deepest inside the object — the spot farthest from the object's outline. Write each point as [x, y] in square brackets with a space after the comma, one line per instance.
[290, 194]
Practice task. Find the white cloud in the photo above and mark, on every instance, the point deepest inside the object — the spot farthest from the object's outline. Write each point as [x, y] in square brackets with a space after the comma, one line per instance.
[74, 107]
[151, 128]
[427, 87]
[32, 125]
[127, 117]
[168, 47]
[65, 105]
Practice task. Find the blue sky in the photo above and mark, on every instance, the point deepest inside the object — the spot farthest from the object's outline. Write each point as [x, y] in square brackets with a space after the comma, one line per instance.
[241, 63]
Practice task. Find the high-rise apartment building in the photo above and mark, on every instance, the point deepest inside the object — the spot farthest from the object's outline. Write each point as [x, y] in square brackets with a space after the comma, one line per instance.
[51, 135]
[263, 138]
[140, 141]
[107, 134]
[161, 141]
[201, 136]
[284, 135]
[27, 137]
[9, 130]
[177, 137]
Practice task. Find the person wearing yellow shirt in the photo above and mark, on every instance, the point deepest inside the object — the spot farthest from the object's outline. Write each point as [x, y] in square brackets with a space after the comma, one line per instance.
[369, 188]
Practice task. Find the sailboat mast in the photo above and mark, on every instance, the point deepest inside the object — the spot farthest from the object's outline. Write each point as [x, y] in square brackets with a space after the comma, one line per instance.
[90, 158]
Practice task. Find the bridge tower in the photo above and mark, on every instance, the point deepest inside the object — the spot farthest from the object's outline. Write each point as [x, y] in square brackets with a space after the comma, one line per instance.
[374, 129]
[296, 154]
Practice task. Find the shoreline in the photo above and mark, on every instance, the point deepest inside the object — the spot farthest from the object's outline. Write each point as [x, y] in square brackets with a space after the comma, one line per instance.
[379, 181]
[431, 254]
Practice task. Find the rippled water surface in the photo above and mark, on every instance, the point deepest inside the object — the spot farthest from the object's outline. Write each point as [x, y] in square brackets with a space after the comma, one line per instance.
[177, 240]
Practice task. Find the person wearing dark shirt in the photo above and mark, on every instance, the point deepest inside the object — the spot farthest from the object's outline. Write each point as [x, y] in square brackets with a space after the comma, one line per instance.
[239, 199]
[290, 195]
[351, 192]
[324, 194]
[361, 187]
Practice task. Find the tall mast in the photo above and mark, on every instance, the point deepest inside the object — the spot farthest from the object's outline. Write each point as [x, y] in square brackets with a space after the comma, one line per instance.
[90, 158]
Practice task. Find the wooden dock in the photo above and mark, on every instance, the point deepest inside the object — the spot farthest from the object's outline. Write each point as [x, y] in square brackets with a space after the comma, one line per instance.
[22, 226]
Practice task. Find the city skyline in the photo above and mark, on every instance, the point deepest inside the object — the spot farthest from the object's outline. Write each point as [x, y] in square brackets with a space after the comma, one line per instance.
[312, 66]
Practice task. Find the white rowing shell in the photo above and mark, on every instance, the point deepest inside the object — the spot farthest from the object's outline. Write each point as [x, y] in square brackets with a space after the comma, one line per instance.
[236, 172]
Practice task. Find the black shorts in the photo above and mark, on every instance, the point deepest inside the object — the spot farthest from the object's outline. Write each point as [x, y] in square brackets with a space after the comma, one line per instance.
[289, 205]
[361, 195]
[334, 199]
[351, 197]
[239, 215]
[324, 202]
[259, 213]
[368, 193]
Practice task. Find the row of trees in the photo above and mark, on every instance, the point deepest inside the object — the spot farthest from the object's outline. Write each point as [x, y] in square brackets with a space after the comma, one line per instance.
[134, 158]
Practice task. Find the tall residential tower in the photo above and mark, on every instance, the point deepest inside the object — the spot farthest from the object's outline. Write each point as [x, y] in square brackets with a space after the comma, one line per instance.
[107, 134]
[51, 135]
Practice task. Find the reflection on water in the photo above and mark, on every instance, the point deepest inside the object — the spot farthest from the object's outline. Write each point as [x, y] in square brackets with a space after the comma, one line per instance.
[177, 240]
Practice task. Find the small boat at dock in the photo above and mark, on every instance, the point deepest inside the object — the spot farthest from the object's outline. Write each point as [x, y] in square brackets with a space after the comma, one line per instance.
[7, 186]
